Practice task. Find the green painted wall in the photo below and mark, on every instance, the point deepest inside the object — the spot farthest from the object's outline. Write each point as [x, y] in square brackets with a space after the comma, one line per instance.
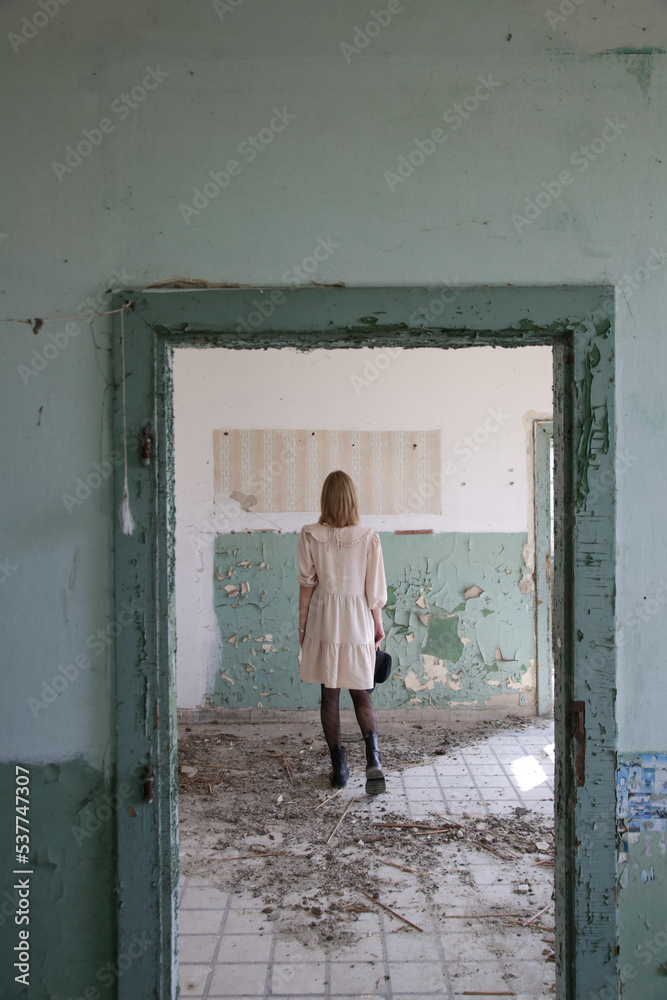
[445, 649]
[69, 898]
[114, 221]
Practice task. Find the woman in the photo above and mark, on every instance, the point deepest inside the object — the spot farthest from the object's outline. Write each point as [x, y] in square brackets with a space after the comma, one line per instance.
[342, 590]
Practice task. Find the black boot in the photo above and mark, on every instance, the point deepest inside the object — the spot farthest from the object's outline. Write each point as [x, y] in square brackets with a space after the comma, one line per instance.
[375, 783]
[340, 771]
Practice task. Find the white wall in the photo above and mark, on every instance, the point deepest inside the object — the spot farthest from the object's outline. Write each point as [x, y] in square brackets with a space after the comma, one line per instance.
[462, 393]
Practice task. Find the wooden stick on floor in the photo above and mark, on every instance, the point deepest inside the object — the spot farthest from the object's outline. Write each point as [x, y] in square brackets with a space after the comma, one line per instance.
[487, 993]
[328, 800]
[539, 913]
[404, 869]
[248, 857]
[421, 826]
[393, 912]
[341, 819]
[475, 916]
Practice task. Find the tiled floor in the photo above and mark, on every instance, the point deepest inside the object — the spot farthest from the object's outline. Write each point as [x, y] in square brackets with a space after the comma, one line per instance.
[230, 948]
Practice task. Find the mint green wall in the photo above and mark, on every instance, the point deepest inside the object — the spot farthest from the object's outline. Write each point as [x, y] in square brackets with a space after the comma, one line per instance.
[66, 892]
[115, 220]
[444, 648]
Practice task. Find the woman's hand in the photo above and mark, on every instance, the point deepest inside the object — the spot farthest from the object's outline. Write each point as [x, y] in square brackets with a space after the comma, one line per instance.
[379, 629]
[302, 636]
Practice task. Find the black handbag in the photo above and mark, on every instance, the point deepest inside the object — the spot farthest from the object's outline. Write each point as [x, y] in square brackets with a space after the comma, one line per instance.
[382, 667]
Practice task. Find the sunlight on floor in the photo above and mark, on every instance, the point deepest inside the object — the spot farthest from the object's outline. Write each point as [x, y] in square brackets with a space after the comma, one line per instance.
[528, 772]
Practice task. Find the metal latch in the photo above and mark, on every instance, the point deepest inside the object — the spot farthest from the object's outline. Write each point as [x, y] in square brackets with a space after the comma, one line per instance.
[149, 783]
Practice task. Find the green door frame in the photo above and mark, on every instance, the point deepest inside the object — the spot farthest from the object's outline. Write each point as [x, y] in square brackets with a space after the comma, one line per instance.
[578, 323]
[542, 437]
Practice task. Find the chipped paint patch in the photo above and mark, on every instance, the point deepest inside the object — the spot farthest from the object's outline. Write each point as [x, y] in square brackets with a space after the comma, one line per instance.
[458, 624]
[641, 818]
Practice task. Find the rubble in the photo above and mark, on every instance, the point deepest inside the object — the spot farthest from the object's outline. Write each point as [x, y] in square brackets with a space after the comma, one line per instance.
[257, 815]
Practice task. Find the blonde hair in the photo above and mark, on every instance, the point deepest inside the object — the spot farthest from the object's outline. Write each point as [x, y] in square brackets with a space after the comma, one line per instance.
[339, 504]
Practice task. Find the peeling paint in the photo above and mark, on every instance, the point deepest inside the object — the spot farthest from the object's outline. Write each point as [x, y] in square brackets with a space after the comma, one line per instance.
[594, 433]
[641, 810]
[454, 610]
[245, 500]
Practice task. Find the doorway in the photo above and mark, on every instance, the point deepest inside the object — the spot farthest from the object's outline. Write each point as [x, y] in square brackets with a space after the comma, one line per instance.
[583, 373]
[266, 902]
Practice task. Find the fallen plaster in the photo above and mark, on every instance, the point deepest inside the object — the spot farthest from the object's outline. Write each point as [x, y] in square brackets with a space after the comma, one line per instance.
[259, 820]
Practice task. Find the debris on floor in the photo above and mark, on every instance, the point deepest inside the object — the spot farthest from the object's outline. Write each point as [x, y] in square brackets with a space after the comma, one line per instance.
[258, 817]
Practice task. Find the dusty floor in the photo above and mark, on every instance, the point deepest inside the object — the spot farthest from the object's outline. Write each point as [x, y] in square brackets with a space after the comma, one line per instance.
[259, 833]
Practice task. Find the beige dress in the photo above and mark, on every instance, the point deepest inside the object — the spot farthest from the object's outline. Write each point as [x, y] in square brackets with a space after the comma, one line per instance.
[345, 567]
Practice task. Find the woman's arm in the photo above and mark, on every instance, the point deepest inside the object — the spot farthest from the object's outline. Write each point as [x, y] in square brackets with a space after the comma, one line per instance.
[376, 586]
[379, 628]
[305, 594]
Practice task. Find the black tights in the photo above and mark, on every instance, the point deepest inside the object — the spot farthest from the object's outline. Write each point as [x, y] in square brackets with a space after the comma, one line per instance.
[330, 715]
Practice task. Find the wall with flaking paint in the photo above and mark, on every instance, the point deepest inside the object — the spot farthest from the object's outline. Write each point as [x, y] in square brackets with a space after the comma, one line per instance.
[113, 219]
[482, 401]
[458, 628]
[641, 815]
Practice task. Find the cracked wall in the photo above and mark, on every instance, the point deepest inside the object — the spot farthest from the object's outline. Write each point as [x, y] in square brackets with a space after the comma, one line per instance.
[458, 626]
